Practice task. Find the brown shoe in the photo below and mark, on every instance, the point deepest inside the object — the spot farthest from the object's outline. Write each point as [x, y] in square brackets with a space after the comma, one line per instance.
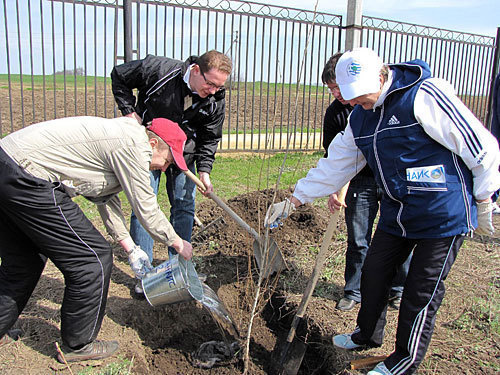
[97, 349]
[11, 336]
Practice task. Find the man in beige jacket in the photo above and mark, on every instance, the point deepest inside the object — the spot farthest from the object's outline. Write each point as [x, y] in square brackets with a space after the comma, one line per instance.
[41, 168]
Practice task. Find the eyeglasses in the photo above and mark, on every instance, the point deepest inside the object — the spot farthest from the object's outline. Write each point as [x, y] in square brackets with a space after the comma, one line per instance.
[210, 83]
[333, 90]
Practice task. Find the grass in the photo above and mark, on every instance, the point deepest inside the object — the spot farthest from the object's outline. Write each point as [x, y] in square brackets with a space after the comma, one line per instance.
[257, 87]
[481, 314]
[121, 367]
[235, 175]
[279, 88]
[38, 81]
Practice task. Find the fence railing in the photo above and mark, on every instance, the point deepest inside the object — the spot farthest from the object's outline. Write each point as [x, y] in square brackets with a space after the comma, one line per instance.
[466, 60]
[278, 55]
[59, 54]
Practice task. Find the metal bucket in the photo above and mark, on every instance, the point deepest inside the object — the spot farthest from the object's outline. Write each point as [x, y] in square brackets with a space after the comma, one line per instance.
[173, 281]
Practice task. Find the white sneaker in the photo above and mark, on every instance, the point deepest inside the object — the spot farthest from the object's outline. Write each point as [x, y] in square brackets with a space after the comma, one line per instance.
[344, 341]
[496, 209]
[380, 369]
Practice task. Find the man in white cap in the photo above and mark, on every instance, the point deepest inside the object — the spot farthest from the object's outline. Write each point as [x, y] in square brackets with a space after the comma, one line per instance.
[438, 167]
[41, 168]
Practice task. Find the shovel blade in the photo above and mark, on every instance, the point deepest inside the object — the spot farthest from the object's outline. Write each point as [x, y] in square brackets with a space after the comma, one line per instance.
[293, 357]
[269, 259]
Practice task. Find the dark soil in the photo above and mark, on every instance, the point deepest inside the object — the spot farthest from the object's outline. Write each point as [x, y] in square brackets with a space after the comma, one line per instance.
[162, 340]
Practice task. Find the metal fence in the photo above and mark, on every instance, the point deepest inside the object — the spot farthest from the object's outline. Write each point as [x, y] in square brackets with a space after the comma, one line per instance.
[59, 53]
[57, 58]
[466, 60]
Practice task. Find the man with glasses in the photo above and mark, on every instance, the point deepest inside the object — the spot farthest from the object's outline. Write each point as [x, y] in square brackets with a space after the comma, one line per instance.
[192, 94]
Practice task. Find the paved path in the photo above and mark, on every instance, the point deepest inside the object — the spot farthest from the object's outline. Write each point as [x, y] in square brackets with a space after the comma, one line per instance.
[256, 142]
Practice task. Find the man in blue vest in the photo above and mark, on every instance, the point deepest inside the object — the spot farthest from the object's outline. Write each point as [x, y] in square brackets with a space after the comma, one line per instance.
[438, 166]
[362, 199]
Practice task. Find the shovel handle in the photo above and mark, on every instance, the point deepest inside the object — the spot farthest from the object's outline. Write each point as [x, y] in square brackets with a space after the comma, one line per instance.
[318, 266]
[357, 364]
[223, 205]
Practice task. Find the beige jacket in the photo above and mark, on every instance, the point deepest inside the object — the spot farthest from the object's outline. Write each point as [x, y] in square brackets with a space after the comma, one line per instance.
[96, 158]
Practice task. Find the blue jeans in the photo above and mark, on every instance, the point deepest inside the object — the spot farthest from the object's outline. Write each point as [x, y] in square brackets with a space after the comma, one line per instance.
[181, 193]
[363, 201]
[495, 195]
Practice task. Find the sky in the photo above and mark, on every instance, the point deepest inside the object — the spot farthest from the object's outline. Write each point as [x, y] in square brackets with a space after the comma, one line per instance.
[471, 16]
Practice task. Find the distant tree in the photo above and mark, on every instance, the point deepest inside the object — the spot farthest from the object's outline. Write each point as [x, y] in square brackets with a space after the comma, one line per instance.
[70, 72]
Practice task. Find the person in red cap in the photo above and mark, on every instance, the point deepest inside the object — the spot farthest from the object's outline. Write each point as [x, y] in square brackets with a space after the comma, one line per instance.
[191, 93]
[41, 168]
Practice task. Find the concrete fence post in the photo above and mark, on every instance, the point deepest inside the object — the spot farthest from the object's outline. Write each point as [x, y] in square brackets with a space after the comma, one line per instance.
[353, 24]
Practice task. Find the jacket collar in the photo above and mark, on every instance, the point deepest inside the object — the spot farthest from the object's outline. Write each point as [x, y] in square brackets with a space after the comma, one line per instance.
[408, 74]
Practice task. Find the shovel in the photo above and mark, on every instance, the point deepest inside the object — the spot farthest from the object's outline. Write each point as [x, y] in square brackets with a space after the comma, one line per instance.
[267, 254]
[294, 349]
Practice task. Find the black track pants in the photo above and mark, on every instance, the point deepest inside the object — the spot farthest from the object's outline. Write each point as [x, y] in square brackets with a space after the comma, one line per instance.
[422, 295]
[38, 220]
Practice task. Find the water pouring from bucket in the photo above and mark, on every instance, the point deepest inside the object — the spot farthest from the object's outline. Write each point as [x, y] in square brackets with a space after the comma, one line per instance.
[176, 281]
[212, 303]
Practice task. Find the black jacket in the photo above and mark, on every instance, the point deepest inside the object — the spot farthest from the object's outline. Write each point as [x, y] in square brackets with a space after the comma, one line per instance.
[334, 122]
[160, 93]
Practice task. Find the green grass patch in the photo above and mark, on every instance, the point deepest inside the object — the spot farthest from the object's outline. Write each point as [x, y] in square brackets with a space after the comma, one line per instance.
[251, 88]
[233, 176]
[482, 314]
[38, 81]
[122, 367]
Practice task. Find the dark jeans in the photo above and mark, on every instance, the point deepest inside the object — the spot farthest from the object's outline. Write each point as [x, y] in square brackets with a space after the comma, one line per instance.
[363, 201]
[181, 194]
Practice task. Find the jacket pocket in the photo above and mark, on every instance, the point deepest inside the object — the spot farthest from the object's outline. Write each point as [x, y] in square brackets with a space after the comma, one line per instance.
[425, 188]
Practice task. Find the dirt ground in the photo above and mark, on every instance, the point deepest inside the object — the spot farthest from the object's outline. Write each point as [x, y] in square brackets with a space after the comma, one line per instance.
[162, 340]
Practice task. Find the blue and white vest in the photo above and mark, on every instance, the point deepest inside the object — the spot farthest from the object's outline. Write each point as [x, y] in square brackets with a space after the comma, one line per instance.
[428, 188]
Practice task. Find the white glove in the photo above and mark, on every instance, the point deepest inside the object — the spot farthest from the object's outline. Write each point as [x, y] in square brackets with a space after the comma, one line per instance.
[278, 211]
[139, 261]
[484, 218]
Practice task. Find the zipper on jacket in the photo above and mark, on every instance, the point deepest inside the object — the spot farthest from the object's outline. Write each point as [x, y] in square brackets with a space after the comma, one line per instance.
[423, 188]
[379, 167]
[467, 204]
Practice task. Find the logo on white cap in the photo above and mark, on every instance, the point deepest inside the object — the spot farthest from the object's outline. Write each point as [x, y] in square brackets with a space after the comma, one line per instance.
[354, 68]
[358, 73]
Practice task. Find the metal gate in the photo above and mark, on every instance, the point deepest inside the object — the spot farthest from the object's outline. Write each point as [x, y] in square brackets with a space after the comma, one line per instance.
[59, 53]
[465, 60]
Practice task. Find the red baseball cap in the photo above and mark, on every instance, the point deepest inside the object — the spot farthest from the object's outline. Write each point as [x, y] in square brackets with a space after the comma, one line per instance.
[173, 136]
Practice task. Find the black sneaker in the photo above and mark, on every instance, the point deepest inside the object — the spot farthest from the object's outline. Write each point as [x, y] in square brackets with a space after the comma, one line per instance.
[345, 304]
[395, 302]
[97, 349]
[11, 336]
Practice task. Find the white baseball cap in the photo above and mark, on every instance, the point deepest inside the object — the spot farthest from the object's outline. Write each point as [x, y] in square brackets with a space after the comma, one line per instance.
[358, 73]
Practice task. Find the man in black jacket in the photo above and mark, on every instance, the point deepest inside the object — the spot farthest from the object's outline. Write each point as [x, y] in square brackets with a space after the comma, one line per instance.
[362, 199]
[192, 94]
